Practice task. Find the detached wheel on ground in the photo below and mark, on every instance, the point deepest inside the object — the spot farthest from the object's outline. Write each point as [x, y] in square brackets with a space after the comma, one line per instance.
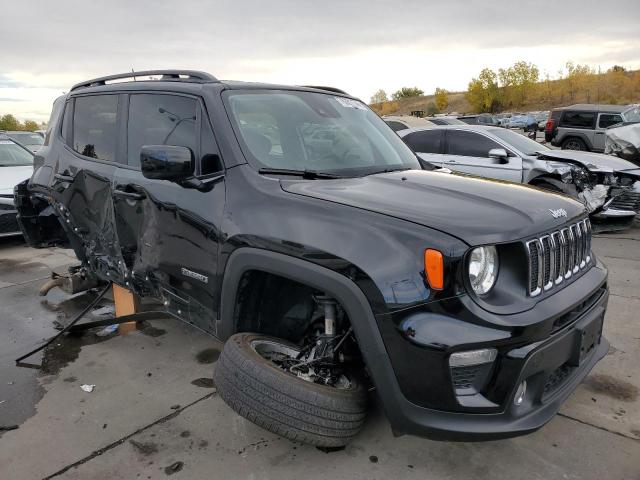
[250, 378]
[573, 143]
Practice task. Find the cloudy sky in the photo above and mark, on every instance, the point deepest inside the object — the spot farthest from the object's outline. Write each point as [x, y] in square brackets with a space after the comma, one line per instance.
[359, 45]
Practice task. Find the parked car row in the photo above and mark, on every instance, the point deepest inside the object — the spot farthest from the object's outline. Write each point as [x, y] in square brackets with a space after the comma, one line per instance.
[16, 165]
[30, 140]
[294, 225]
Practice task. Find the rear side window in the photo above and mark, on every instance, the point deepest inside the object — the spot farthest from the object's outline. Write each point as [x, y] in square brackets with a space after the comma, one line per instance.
[396, 126]
[578, 119]
[608, 119]
[94, 126]
[469, 144]
[160, 120]
[426, 141]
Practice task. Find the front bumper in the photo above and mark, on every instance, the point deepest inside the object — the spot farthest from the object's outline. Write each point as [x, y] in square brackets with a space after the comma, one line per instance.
[8, 222]
[549, 365]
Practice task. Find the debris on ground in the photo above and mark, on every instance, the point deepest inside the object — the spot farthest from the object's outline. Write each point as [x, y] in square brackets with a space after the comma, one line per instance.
[87, 388]
[145, 448]
[108, 330]
[6, 428]
[174, 468]
[203, 382]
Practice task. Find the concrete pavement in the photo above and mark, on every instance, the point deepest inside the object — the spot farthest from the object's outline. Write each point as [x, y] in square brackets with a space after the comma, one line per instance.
[152, 415]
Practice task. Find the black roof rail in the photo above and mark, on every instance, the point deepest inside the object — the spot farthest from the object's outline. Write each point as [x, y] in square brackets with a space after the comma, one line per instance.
[166, 75]
[328, 89]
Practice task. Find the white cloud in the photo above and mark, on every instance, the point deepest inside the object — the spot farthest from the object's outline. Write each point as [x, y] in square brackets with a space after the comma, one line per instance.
[359, 45]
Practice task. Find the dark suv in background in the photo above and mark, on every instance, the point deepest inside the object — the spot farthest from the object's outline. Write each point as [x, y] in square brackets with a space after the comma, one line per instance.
[582, 126]
[295, 225]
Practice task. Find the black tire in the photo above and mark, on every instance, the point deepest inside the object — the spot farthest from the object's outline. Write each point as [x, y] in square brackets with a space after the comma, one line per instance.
[574, 143]
[284, 404]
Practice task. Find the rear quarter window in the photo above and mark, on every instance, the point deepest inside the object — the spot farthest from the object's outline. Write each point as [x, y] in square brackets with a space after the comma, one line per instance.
[578, 119]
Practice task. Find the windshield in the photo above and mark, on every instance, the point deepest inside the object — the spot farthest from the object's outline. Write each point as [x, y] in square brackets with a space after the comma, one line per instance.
[12, 155]
[317, 132]
[27, 138]
[521, 143]
[632, 115]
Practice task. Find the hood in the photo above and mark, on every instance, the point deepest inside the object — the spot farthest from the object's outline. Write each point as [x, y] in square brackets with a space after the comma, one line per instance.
[590, 160]
[475, 210]
[11, 176]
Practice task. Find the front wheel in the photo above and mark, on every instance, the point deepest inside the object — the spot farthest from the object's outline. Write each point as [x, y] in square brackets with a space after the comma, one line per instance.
[254, 377]
[573, 143]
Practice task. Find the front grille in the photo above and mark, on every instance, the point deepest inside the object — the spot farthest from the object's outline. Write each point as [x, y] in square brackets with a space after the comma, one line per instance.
[8, 224]
[557, 256]
[625, 200]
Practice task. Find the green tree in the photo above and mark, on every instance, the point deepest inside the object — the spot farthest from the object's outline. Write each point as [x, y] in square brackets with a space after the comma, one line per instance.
[9, 122]
[442, 99]
[432, 108]
[379, 97]
[30, 125]
[517, 82]
[483, 93]
[407, 92]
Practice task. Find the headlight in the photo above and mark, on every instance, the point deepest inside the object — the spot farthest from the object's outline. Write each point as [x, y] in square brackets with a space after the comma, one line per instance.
[483, 269]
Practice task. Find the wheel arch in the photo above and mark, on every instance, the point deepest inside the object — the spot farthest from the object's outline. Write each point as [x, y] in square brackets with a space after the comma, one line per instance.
[580, 136]
[344, 290]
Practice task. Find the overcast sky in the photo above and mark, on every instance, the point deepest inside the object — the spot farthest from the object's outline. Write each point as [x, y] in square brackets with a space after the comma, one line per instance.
[360, 45]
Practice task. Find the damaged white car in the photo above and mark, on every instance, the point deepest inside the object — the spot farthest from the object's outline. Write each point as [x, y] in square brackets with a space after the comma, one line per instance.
[608, 186]
[624, 141]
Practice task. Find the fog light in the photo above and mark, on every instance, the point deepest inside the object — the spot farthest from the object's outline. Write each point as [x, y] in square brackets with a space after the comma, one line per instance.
[472, 357]
[520, 393]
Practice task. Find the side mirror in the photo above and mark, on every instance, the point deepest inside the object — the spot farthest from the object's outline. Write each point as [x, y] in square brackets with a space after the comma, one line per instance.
[166, 162]
[499, 154]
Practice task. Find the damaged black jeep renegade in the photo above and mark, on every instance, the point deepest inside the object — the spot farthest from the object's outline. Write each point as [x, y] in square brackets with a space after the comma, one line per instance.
[293, 224]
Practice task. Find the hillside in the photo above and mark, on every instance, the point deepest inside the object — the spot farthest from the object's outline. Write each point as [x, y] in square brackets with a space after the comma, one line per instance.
[581, 86]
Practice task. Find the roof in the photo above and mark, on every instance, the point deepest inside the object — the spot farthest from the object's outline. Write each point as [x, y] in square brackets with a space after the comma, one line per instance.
[476, 128]
[593, 107]
[183, 78]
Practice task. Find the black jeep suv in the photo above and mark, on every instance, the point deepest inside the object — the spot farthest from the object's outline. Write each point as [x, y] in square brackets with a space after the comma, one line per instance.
[293, 224]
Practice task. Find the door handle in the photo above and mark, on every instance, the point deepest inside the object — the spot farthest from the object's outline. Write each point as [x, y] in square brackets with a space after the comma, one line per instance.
[453, 161]
[599, 133]
[130, 195]
[63, 178]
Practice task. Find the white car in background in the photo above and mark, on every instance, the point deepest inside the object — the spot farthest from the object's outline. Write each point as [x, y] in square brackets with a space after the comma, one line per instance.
[608, 186]
[16, 165]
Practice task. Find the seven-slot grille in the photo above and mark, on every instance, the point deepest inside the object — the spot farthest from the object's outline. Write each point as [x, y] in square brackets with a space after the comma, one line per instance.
[556, 256]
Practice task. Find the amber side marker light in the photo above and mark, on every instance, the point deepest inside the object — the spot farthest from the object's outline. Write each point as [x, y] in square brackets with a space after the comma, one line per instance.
[434, 268]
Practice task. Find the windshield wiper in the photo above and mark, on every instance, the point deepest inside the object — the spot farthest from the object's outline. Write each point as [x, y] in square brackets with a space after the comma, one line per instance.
[306, 174]
[389, 170]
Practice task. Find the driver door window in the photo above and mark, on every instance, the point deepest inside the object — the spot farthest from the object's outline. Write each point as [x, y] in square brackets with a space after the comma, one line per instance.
[160, 120]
